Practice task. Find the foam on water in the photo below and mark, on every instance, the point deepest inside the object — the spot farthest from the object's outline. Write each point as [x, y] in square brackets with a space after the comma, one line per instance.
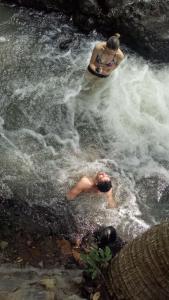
[57, 125]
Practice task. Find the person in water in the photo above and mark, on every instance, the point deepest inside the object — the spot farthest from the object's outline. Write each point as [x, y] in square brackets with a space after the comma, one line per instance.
[106, 57]
[100, 183]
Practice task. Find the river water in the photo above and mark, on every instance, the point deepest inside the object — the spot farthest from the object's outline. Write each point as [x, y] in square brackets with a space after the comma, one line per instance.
[56, 127]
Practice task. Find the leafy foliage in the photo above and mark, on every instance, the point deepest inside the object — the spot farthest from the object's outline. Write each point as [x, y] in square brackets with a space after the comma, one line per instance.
[96, 261]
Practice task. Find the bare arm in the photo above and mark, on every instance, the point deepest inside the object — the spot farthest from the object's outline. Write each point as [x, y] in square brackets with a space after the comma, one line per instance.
[120, 58]
[76, 190]
[111, 203]
[92, 63]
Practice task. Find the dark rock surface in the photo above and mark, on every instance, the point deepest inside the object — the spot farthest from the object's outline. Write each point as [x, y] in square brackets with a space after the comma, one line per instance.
[36, 235]
[18, 215]
[143, 25]
[154, 191]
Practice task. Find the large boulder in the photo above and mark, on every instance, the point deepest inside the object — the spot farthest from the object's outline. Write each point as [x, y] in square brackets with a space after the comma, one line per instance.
[145, 28]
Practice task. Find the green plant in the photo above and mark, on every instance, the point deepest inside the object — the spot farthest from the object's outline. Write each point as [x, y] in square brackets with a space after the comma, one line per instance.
[96, 261]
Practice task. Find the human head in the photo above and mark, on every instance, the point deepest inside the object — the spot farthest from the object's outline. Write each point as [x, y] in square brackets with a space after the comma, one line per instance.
[107, 236]
[113, 42]
[103, 182]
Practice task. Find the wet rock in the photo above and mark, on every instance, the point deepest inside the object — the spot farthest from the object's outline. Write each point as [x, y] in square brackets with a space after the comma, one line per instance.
[18, 215]
[42, 131]
[66, 6]
[86, 24]
[142, 24]
[33, 235]
[165, 196]
[153, 194]
[64, 45]
[112, 3]
[89, 7]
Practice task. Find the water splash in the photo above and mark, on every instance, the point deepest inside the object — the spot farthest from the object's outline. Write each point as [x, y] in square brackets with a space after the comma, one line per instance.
[57, 126]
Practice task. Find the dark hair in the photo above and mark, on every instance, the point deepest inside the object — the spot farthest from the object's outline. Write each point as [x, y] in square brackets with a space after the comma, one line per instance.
[106, 236]
[113, 42]
[104, 186]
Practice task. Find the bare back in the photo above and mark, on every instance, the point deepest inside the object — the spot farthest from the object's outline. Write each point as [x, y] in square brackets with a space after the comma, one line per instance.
[85, 184]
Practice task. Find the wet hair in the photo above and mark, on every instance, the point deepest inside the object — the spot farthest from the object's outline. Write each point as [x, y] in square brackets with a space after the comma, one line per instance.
[104, 186]
[113, 42]
[106, 236]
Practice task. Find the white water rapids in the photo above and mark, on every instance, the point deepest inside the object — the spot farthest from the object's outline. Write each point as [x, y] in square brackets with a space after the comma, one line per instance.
[54, 128]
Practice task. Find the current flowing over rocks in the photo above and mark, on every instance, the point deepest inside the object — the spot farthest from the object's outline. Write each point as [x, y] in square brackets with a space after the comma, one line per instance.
[143, 25]
[54, 130]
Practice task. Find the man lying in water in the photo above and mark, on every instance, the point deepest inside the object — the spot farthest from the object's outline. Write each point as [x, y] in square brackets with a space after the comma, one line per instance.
[100, 183]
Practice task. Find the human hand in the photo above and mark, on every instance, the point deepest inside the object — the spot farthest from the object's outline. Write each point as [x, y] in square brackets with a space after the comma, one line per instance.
[98, 70]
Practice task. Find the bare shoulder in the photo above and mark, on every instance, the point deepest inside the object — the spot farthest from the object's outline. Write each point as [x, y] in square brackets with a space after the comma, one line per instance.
[120, 55]
[85, 180]
[100, 46]
[78, 188]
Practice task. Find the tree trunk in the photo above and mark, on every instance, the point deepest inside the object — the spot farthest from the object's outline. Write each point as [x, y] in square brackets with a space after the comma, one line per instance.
[141, 270]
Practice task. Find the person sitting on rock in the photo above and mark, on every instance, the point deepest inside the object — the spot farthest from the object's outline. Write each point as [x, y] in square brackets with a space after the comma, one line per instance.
[105, 236]
[106, 57]
[100, 183]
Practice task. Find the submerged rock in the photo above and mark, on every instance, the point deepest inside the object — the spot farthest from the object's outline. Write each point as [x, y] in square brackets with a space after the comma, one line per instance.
[64, 45]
